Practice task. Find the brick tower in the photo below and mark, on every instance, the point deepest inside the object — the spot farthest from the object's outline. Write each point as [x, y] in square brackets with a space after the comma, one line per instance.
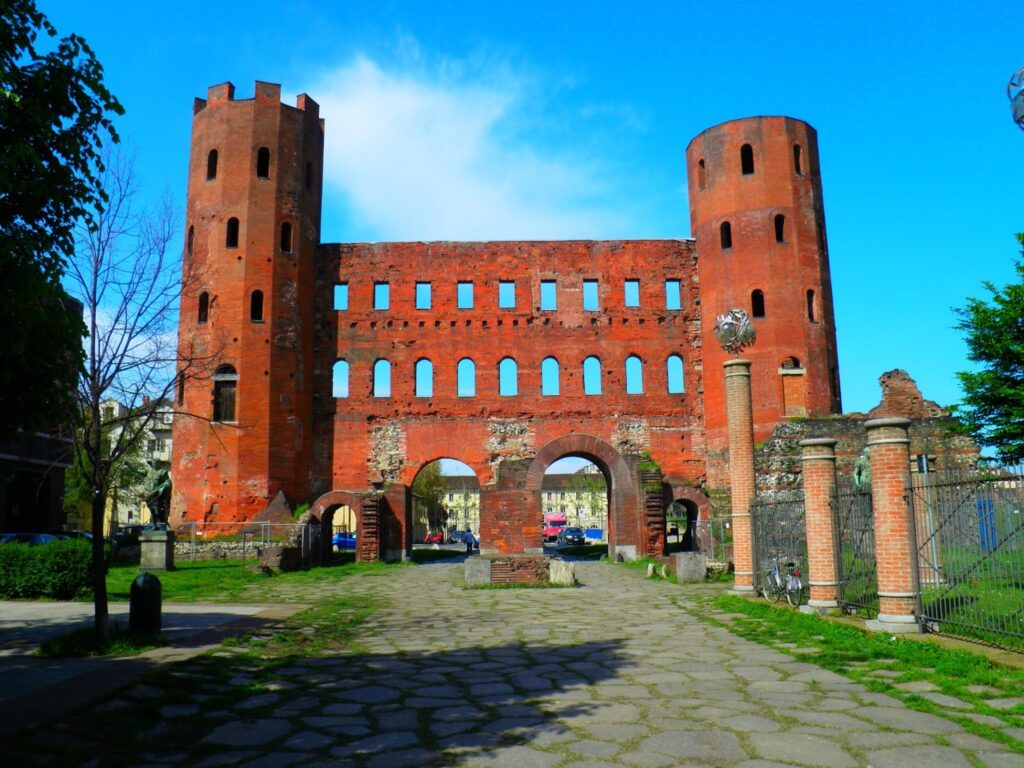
[252, 231]
[757, 215]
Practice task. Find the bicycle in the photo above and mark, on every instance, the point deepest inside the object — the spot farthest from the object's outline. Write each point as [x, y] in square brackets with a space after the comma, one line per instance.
[776, 583]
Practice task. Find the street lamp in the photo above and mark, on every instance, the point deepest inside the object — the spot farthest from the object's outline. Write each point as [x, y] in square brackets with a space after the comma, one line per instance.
[1015, 93]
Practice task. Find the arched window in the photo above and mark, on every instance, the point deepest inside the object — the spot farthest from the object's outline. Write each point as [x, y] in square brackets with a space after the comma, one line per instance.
[702, 174]
[810, 306]
[757, 303]
[747, 159]
[309, 176]
[190, 242]
[549, 376]
[339, 379]
[256, 307]
[286, 237]
[796, 160]
[508, 378]
[225, 386]
[263, 163]
[211, 165]
[726, 233]
[592, 376]
[382, 379]
[780, 229]
[204, 308]
[466, 375]
[674, 370]
[231, 237]
[791, 363]
[634, 375]
[424, 378]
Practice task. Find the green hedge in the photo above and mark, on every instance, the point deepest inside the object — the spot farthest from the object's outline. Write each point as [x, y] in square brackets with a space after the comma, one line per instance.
[60, 570]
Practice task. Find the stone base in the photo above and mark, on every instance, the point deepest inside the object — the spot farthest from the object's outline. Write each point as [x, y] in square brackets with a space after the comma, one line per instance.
[819, 607]
[894, 625]
[518, 569]
[624, 552]
[688, 567]
[156, 551]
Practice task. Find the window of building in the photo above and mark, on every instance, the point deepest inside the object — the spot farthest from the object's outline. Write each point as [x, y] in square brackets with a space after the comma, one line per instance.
[780, 228]
[508, 378]
[797, 160]
[225, 385]
[256, 307]
[592, 376]
[757, 303]
[702, 175]
[590, 296]
[211, 165]
[506, 294]
[204, 308]
[549, 377]
[341, 296]
[339, 379]
[465, 295]
[422, 295]
[263, 163]
[747, 159]
[725, 232]
[424, 378]
[286, 237]
[181, 388]
[632, 291]
[673, 299]
[674, 370]
[381, 295]
[548, 295]
[791, 363]
[810, 306]
[191, 240]
[382, 379]
[466, 375]
[231, 233]
[151, 446]
[634, 375]
[309, 176]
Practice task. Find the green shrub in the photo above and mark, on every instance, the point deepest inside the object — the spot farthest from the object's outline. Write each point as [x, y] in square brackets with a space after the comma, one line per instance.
[60, 570]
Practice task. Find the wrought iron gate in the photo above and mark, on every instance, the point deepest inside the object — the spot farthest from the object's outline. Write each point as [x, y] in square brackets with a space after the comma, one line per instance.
[856, 569]
[779, 527]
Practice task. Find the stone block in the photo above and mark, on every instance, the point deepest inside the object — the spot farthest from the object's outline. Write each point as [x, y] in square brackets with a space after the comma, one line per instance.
[278, 558]
[478, 571]
[561, 572]
[689, 567]
[156, 550]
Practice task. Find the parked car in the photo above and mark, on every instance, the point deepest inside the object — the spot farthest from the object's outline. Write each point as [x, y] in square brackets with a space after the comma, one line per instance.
[344, 541]
[571, 535]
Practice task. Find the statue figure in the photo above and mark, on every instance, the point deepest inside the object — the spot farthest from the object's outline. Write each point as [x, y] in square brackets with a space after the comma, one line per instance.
[159, 498]
[734, 330]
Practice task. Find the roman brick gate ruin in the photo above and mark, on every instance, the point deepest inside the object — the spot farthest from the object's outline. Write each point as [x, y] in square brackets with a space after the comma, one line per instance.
[335, 372]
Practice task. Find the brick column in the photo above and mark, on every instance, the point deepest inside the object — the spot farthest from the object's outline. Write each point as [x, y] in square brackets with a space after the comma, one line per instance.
[889, 444]
[739, 415]
[819, 475]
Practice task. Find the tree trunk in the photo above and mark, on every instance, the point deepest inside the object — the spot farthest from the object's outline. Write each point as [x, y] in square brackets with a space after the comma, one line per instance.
[101, 624]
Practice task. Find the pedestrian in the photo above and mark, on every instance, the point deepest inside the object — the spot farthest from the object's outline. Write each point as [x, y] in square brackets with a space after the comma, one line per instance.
[468, 538]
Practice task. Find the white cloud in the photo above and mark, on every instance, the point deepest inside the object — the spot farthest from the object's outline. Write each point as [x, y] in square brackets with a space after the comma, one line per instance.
[453, 153]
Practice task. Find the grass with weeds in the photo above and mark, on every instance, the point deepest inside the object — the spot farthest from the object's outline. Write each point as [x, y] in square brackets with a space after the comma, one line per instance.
[84, 642]
[853, 652]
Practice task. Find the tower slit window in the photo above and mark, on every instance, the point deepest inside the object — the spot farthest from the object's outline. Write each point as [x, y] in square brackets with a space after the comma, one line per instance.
[797, 160]
[263, 163]
[810, 306]
[231, 233]
[702, 175]
[225, 386]
[309, 176]
[286, 237]
[190, 243]
[211, 165]
[757, 303]
[725, 233]
[747, 159]
[780, 228]
[256, 307]
[204, 308]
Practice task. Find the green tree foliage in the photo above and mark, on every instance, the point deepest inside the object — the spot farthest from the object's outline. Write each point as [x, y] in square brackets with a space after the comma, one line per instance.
[54, 118]
[430, 485]
[993, 408]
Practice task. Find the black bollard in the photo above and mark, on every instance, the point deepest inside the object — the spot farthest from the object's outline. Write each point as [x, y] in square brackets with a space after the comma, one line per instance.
[145, 605]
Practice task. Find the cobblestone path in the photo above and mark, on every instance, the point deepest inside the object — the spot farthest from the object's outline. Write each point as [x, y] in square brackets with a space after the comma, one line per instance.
[620, 672]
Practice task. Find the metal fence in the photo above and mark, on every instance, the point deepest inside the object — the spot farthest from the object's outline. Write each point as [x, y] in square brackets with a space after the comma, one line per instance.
[198, 540]
[779, 528]
[714, 538]
[857, 569]
[970, 537]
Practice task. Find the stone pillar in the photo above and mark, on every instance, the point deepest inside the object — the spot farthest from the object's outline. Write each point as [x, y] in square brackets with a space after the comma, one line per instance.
[819, 474]
[889, 446]
[739, 415]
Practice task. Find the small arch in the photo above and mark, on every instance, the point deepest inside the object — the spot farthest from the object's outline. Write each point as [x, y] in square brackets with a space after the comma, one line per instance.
[810, 306]
[382, 379]
[674, 371]
[508, 377]
[256, 307]
[190, 242]
[549, 384]
[339, 379]
[424, 378]
[592, 376]
[204, 308]
[797, 160]
[211, 165]
[702, 175]
[747, 159]
[286, 237]
[466, 378]
[791, 363]
[225, 386]
[263, 163]
[725, 232]
[757, 303]
[634, 375]
[231, 233]
[780, 228]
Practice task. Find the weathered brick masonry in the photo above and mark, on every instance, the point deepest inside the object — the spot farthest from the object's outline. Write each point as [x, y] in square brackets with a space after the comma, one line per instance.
[275, 311]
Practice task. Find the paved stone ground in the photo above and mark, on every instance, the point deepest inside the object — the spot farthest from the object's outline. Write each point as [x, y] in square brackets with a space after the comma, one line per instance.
[621, 672]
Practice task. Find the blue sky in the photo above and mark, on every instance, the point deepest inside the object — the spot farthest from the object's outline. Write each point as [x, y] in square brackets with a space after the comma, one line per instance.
[554, 120]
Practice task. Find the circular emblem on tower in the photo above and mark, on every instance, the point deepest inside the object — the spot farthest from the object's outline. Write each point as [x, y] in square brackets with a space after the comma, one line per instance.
[734, 330]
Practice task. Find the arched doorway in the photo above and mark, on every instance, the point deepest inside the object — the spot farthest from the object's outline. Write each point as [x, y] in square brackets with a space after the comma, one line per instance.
[574, 505]
[445, 505]
[681, 519]
[338, 512]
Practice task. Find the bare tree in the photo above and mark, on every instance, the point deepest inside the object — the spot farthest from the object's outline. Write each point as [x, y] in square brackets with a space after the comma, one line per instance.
[130, 283]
